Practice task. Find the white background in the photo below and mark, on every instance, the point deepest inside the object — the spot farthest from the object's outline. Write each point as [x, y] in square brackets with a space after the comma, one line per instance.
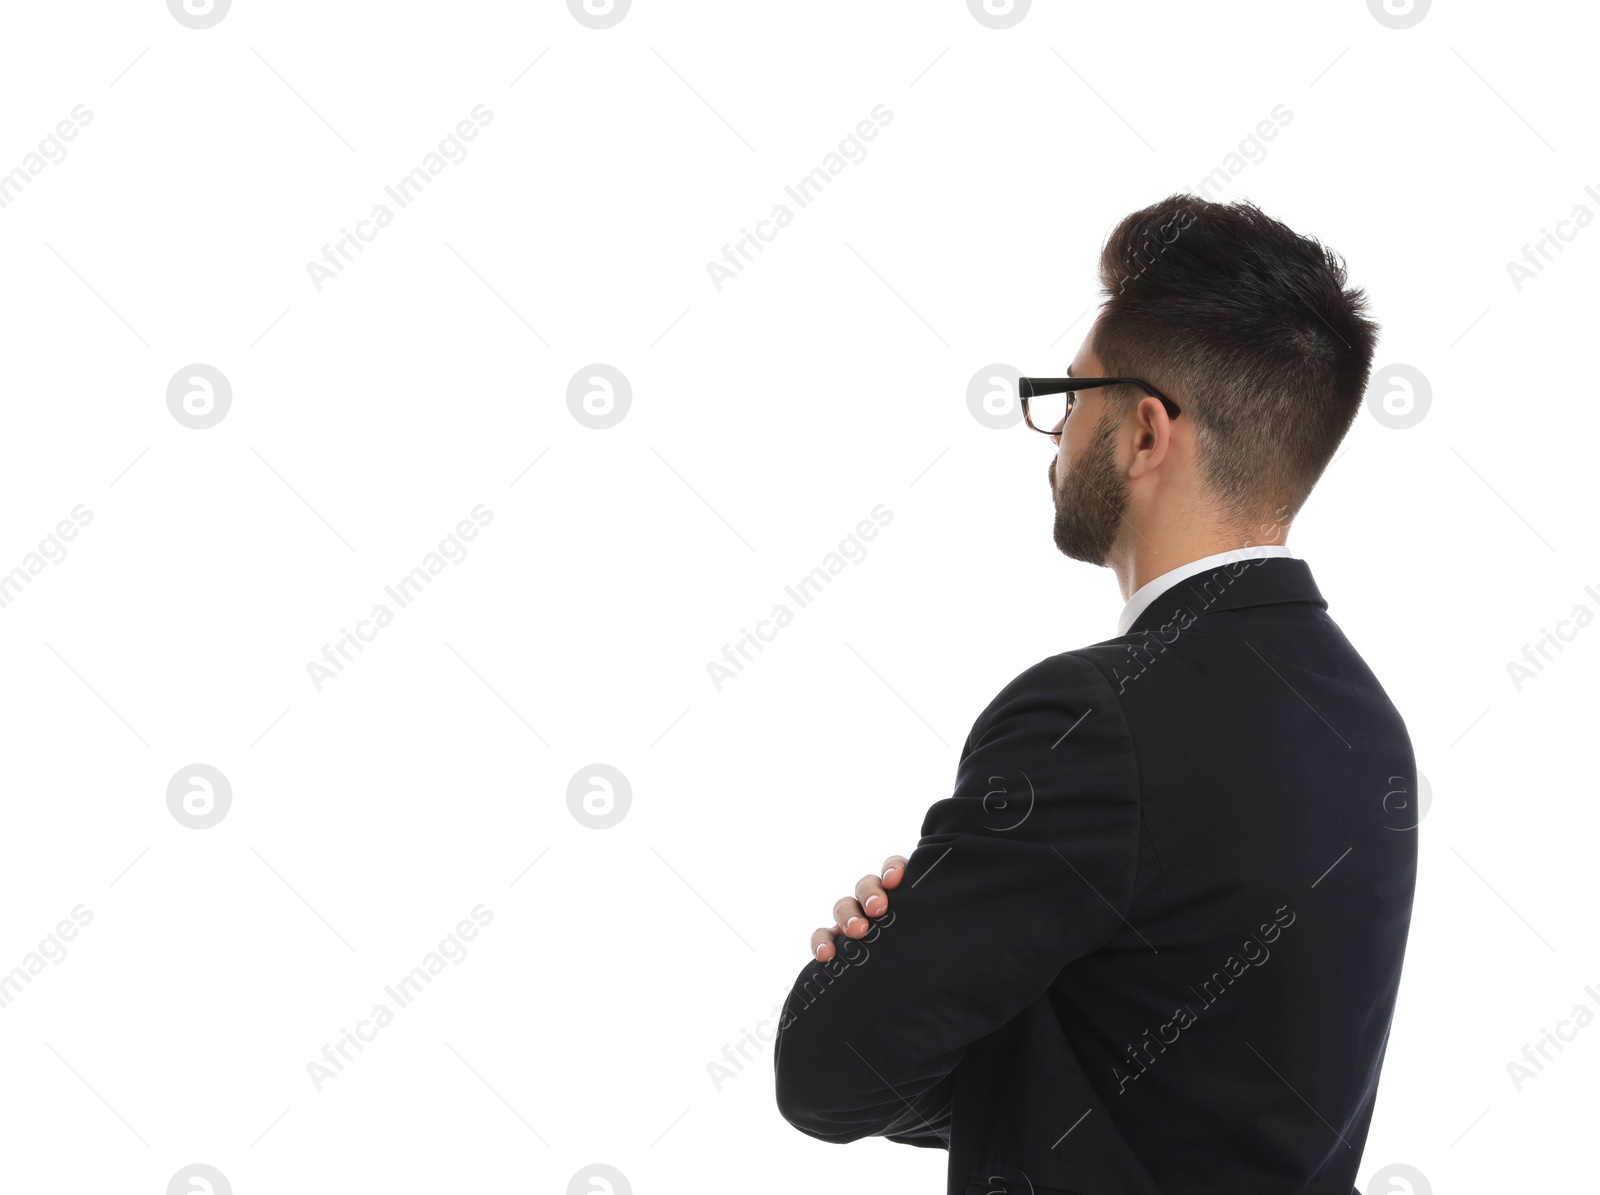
[767, 419]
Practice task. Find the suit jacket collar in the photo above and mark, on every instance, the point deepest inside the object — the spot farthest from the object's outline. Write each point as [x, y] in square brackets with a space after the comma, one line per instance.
[1243, 583]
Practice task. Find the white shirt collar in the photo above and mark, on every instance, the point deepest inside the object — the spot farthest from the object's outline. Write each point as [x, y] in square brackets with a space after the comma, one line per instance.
[1153, 589]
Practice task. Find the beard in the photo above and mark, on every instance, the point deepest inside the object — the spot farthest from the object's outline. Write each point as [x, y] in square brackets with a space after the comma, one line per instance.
[1092, 500]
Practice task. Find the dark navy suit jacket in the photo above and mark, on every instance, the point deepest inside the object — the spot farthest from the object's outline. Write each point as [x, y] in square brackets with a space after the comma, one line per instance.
[1152, 942]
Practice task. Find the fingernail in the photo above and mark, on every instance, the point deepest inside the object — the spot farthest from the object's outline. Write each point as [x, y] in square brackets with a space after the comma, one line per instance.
[851, 924]
[875, 906]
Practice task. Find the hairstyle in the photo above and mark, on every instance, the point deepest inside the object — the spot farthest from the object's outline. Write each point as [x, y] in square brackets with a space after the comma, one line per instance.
[1250, 328]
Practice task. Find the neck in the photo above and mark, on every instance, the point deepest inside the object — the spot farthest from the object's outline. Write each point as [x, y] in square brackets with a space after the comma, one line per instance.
[1154, 550]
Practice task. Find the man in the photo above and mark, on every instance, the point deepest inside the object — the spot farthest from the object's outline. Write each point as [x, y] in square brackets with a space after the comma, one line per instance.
[1152, 942]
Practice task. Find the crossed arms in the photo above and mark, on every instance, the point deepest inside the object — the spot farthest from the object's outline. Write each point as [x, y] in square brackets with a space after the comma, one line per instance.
[1027, 866]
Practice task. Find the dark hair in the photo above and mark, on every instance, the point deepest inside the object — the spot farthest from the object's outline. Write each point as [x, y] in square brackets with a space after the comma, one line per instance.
[1250, 328]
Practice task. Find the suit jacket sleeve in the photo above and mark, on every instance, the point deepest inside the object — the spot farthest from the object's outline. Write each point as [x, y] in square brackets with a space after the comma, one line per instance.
[1027, 866]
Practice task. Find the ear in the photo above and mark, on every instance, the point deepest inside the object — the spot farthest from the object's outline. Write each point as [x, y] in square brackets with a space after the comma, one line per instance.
[1152, 436]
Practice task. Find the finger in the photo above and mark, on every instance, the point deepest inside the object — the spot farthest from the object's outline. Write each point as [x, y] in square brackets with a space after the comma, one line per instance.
[894, 870]
[871, 896]
[849, 914]
[822, 943]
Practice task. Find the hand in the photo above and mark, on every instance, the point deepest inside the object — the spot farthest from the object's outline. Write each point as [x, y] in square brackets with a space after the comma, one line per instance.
[851, 913]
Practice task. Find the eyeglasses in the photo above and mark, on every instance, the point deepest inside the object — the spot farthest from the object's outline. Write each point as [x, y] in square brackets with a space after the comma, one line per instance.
[1059, 394]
